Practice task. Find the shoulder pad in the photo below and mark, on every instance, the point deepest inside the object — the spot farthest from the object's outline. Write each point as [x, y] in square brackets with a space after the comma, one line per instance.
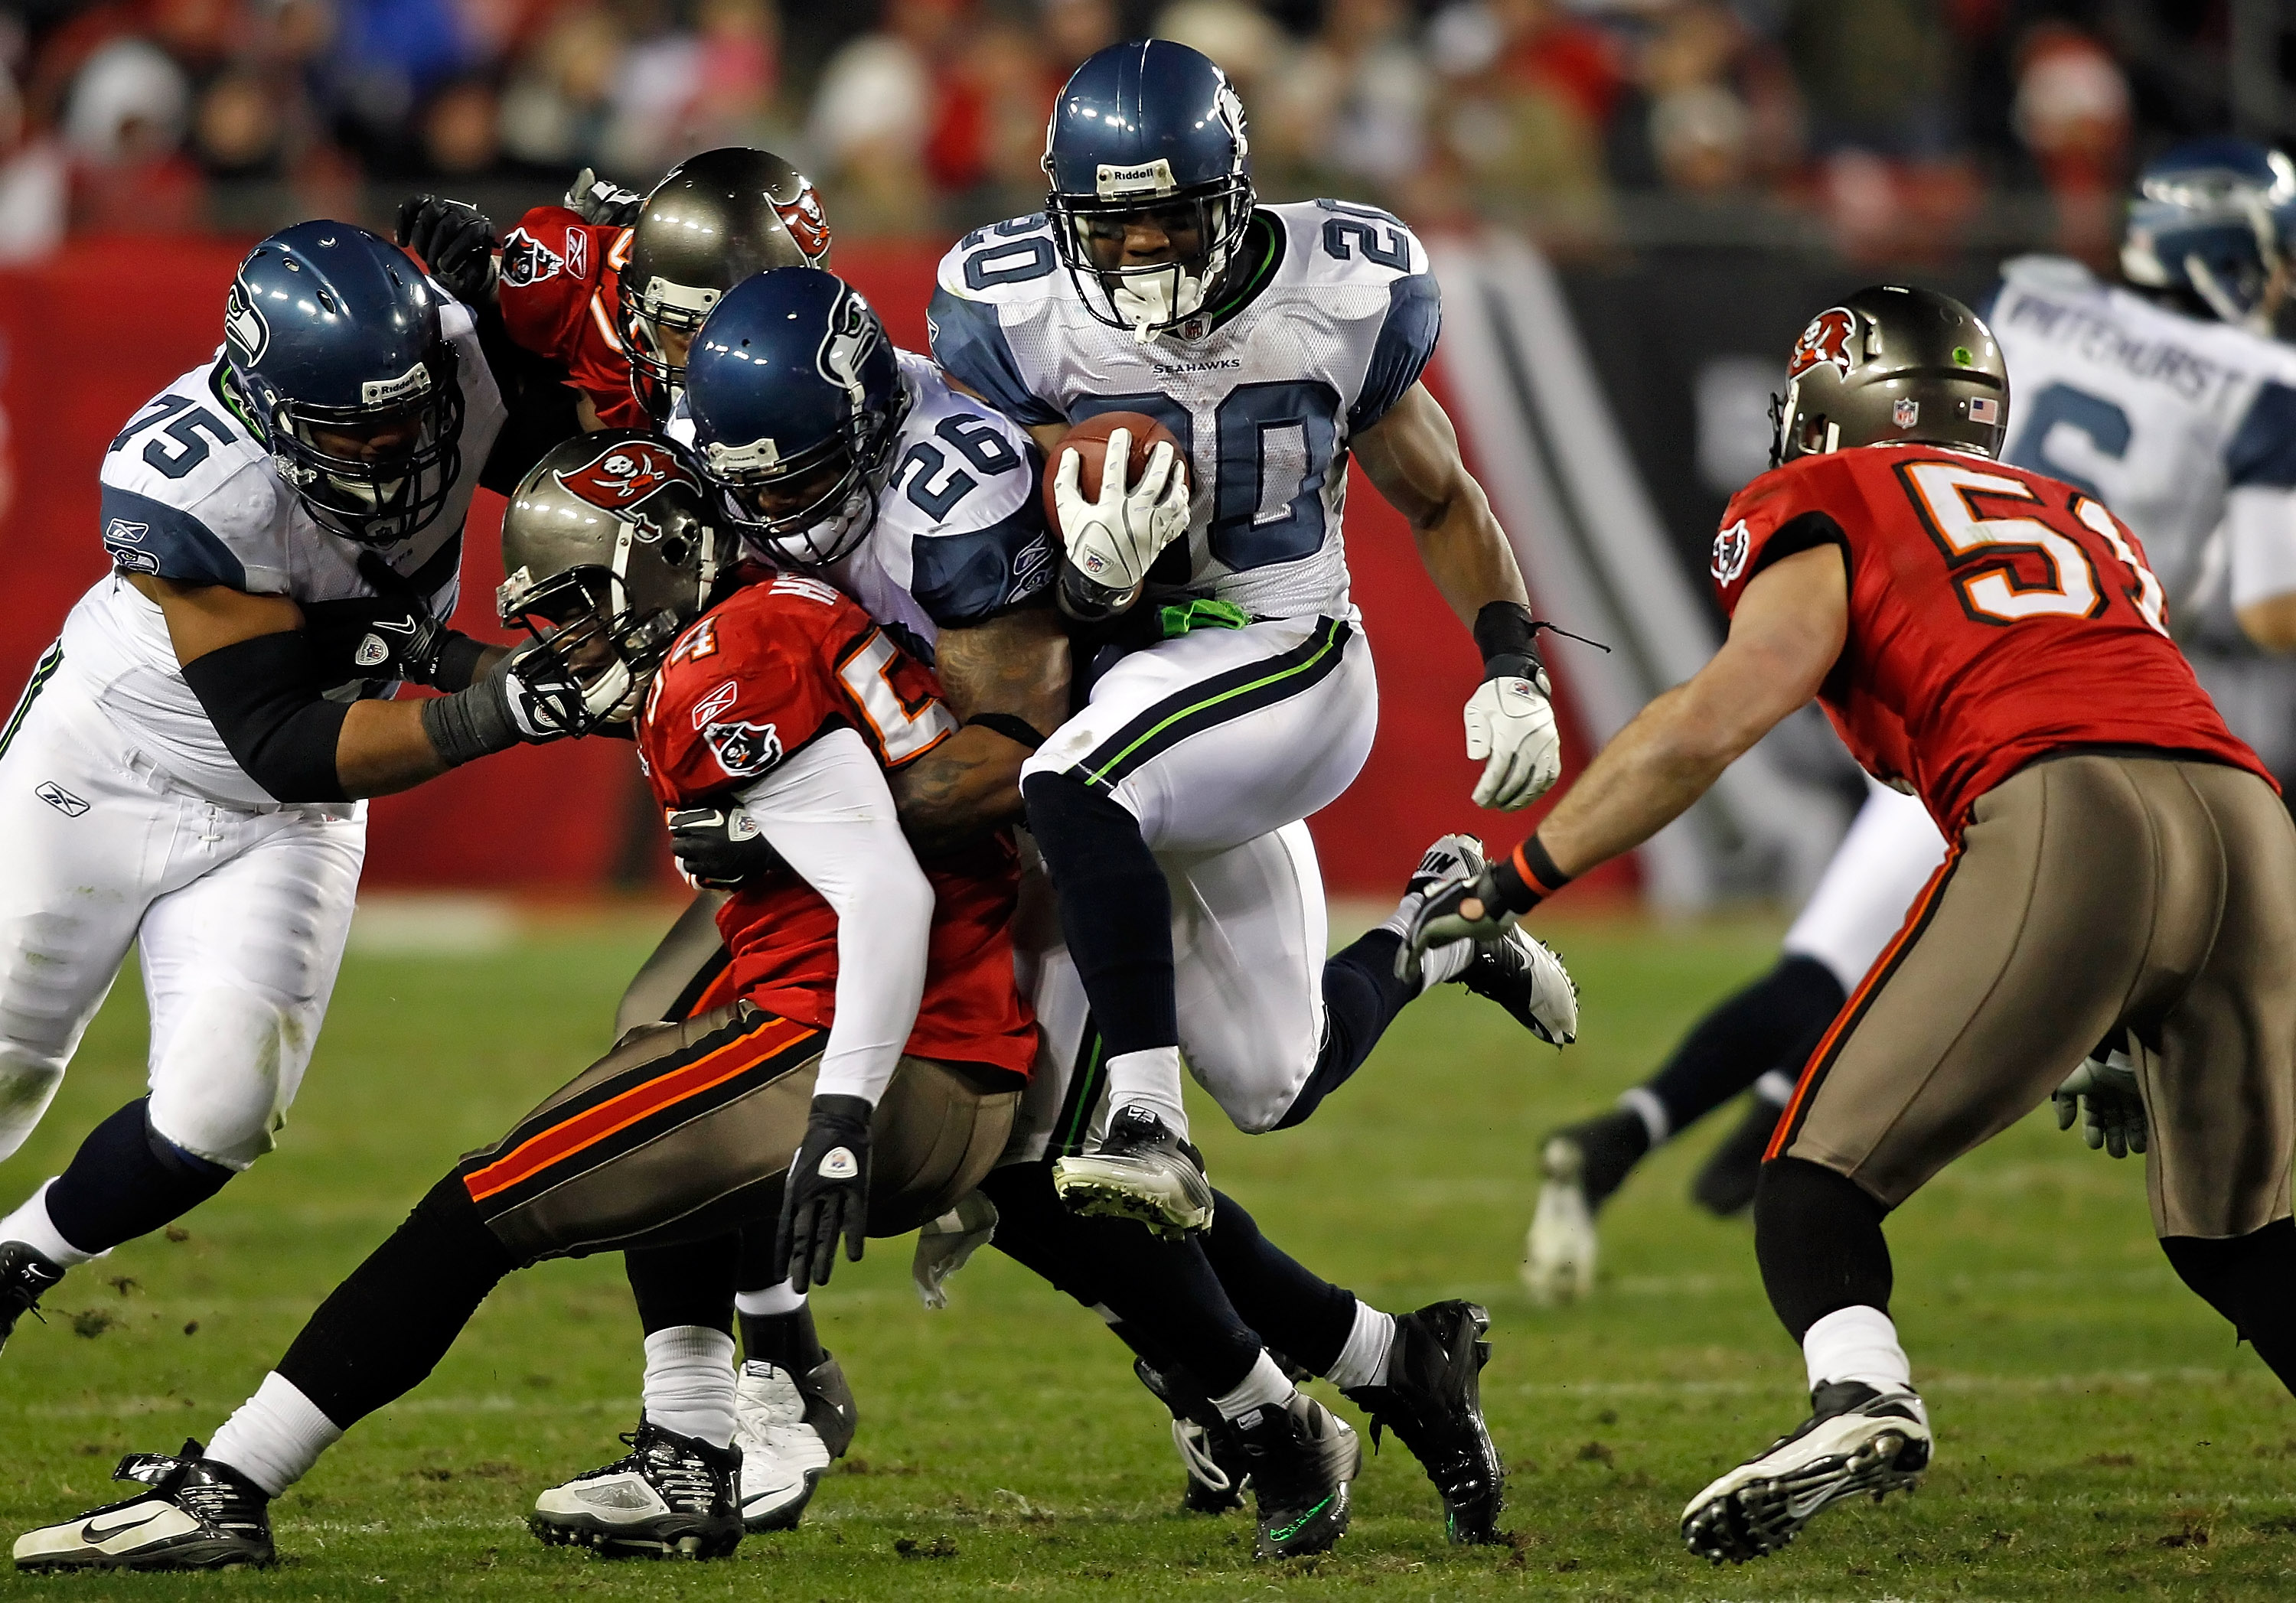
[1009, 263]
[1332, 242]
[188, 492]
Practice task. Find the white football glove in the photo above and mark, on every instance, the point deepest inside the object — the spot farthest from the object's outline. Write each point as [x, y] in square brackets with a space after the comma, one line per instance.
[945, 1243]
[1511, 722]
[2103, 1093]
[1114, 540]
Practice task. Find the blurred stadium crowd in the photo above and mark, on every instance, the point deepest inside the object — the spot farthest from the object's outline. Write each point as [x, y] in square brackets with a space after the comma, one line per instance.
[1887, 129]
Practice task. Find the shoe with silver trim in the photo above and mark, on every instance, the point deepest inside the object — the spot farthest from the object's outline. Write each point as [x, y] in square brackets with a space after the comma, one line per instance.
[1856, 1440]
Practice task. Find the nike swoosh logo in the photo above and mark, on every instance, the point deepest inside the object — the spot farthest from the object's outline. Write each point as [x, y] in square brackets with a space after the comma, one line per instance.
[388, 627]
[88, 1533]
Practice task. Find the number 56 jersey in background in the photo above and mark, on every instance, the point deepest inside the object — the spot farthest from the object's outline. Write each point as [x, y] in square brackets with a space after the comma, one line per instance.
[1995, 617]
[1264, 403]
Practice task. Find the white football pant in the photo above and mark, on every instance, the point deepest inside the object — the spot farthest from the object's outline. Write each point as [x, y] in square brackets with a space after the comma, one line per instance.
[1860, 902]
[240, 914]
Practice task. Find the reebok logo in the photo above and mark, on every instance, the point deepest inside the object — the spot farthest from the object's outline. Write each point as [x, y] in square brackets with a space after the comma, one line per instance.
[63, 800]
[838, 1164]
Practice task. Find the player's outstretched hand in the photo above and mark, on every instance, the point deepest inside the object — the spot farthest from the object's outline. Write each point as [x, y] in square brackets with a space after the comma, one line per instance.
[826, 1195]
[718, 847]
[946, 1244]
[1510, 722]
[455, 240]
[1457, 909]
[2104, 1093]
[1113, 541]
[602, 200]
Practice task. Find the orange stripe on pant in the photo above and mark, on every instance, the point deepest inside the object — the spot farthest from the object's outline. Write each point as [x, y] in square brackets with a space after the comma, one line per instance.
[1917, 916]
[587, 1129]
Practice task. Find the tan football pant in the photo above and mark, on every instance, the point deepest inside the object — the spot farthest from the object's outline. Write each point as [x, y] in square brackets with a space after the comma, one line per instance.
[2089, 890]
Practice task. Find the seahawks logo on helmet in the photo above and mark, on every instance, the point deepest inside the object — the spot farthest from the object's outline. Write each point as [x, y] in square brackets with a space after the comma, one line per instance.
[244, 328]
[853, 334]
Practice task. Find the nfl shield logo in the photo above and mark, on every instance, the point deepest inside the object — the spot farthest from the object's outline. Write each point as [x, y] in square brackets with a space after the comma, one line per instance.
[1906, 413]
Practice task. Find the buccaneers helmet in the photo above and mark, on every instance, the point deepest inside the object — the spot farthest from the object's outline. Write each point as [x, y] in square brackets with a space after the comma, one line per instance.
[1892, 363]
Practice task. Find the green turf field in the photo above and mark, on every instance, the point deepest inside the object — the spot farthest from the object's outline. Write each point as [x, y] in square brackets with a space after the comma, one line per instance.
[2098, 1431]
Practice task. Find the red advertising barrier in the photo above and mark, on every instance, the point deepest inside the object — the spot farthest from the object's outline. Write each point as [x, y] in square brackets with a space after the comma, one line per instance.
[88, 336]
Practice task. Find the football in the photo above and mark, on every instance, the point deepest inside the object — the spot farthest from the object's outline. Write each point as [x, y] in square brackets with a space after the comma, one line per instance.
[1089, 440]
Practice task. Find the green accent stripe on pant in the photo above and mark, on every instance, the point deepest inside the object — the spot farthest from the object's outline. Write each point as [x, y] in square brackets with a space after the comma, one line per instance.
[43, 671]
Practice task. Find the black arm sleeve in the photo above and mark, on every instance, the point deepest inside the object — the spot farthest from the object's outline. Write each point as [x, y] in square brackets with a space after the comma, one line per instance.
[534, 391]
[265, 697]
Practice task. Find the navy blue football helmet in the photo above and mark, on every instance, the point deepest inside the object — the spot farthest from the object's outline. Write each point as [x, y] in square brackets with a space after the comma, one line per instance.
[797, 398]
[1148, 130]
[333, 343]
[2212, 219]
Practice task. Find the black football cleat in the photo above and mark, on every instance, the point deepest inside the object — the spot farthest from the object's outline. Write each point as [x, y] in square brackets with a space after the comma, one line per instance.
[1207, 1443]
[1725, 1184]
[197, 1516]
[1140, 1171]
[26, 1276]
[673, 1497]
[1300, 1457]
[1432, 1399]
[1856, 1440]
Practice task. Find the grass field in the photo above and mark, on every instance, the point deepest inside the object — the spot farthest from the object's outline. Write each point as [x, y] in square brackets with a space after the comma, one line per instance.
[2099, 1433]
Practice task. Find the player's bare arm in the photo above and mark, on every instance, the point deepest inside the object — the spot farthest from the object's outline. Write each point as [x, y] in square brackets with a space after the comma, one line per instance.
[2270, 624]
[1011, 673]
[1412, 455]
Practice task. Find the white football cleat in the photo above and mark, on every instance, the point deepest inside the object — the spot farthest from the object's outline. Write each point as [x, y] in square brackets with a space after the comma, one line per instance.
[785, 1451]
[1855, 1440]
[672, 1497]
[1513, 968]
[1560, 1253]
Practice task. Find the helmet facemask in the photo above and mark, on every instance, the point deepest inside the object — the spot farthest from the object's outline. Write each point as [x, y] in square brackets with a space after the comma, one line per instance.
[584, 621]
[1204, 229]
[391, 494]
[2218, 234]
[810, 508]
[657, 367]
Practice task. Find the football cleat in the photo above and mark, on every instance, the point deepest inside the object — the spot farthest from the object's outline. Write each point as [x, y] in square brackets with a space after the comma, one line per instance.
[197, 1516]
[1725, 1184]
[1452, 857]
[671, 1497]
[1855, 1440]
[1140, 1171]
[1300, 1457]
[1560, 1254]
[26, 1276]
[1207, 1443]
[1432, 1399]
[1521, 974]
[789, 1427]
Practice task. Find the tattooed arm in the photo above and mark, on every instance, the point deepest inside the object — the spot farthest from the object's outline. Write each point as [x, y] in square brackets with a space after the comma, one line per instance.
[1016, 665]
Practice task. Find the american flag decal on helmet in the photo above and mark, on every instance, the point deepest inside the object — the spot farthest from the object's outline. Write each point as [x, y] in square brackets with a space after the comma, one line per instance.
[1984, 409]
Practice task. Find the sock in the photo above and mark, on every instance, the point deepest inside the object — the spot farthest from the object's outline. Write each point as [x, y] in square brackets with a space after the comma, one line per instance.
[1436, 968]
[31, 1225]
[1263, 1387]
[689, 1284]
[1776, 1088]
[783, 1297]
[1294, 1311]
[787, 1341]
[1361, 998]
[689, 1383]
[127, 1181]
[1818, 1239]
[1856, 1344]
[1645, 1105]
[1116, 911]
[1774, 1023]
[1149, 1079]
[275, 1437]
[1363, 1362]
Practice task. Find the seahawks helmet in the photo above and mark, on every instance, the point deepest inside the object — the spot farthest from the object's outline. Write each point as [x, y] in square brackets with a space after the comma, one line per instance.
[714, 221]
[611, 552]
[1153, 131]
[797, 400]
[333, 341]
[2212, 221]
[1892, 364]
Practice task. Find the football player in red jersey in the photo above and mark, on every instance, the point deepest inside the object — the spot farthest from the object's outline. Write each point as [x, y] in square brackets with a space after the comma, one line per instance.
[1993, 641]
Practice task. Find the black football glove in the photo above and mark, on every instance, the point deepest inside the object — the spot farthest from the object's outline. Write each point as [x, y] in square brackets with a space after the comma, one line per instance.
[600, 201]
[826, 1194]
[718, 847]
[526, 697]
[455, 240]
[1439, 922]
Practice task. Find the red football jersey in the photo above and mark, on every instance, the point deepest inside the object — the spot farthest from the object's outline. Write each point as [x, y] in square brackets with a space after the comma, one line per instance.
[560, 294]
[777, 664]
[1994, 616]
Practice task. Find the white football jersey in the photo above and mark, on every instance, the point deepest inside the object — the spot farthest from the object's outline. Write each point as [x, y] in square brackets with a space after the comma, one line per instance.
[189, 493]
[1263, 404]
[2181, 425]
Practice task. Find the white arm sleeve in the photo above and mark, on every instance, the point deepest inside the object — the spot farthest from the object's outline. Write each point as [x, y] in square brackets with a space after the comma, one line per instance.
[2260, 529]
[828, 811]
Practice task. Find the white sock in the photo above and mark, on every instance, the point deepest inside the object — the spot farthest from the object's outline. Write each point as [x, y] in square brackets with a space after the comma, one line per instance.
[1436, 968]
[689, 1382]
[31, 1225]
[1776, 1088]
[783, 1298]
[1363, 1361]
[1149, 1079]
[1644, 1104]
[275, 1436]
[1856, 1344]
[1265, 1386]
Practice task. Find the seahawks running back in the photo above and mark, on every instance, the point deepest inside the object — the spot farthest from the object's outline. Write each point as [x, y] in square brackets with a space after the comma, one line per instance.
[1274, 342]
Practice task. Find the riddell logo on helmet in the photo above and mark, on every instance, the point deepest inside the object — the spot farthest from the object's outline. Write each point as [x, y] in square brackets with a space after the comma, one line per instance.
[623, 475]
[1825, 339]
[1149, 178]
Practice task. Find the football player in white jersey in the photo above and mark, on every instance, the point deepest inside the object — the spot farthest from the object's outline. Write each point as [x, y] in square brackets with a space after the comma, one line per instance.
[284, 523]
[2165, 396]
[1274, 342]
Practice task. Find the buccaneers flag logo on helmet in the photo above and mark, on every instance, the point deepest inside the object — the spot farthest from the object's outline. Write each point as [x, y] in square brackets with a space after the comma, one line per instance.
[627, 473]
[807, 222]
[1825, 339]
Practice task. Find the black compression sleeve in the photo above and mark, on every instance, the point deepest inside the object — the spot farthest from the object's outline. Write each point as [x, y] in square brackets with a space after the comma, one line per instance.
[458, 662]
[1012, 726]
[263, 697]
[1508, 638]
